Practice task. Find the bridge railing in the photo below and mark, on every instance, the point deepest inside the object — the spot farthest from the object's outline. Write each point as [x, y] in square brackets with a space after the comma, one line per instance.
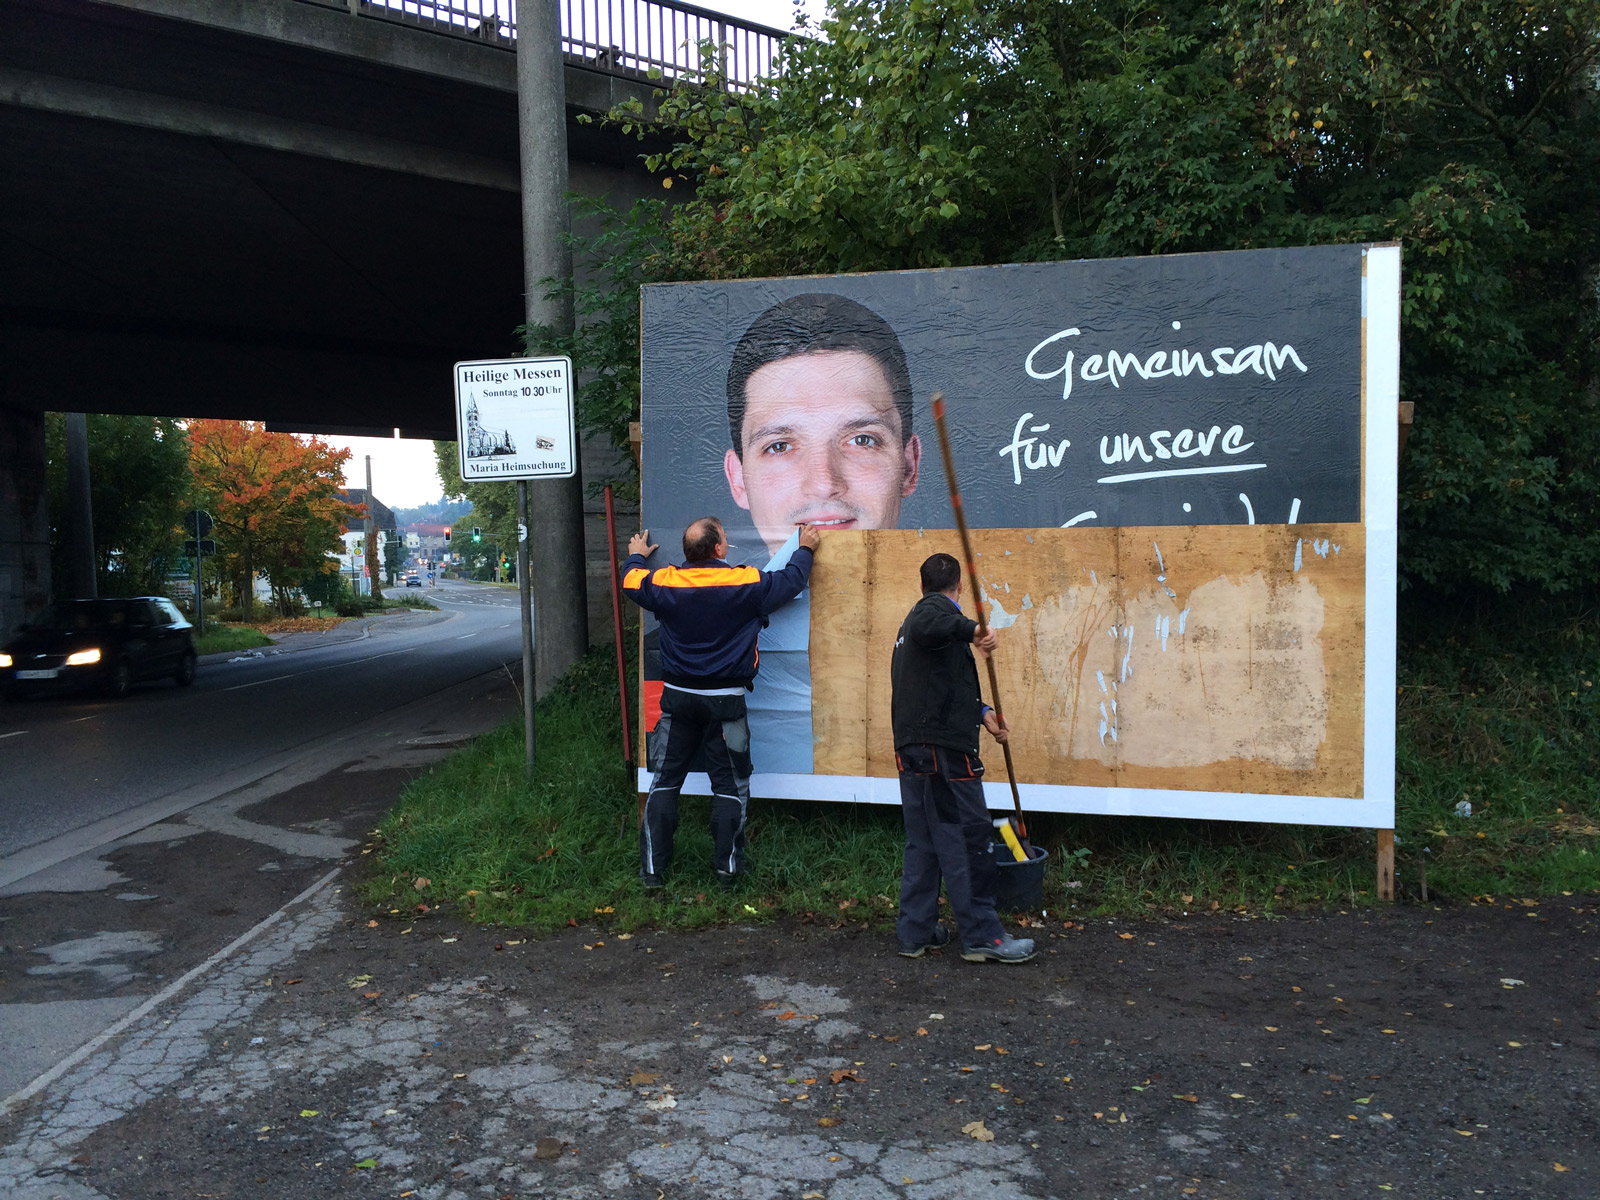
[635, 39]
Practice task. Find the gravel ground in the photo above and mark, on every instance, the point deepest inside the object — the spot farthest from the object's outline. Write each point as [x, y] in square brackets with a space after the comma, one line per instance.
[1434, 1052]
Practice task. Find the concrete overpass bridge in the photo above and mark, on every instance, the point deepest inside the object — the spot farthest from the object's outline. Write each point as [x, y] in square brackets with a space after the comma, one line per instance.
[297, 211]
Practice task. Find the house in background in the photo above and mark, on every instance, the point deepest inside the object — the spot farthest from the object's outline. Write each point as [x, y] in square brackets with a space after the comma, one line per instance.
[352, 561]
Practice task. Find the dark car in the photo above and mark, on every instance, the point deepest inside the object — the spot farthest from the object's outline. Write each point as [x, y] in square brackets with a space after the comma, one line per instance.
[107, 645]
[413, 581]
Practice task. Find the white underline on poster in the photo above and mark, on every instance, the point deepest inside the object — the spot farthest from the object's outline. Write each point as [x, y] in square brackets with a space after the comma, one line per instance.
[1182, 471]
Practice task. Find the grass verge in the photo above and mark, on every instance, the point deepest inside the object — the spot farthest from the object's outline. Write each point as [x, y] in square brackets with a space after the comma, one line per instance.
[220, 639]
[1515, 732]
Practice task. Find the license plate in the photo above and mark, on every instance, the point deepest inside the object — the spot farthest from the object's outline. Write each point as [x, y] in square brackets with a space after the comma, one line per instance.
[50, 674]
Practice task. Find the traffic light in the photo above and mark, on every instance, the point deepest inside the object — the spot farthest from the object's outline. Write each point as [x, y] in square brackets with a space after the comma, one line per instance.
[477, 535]
[447, 535]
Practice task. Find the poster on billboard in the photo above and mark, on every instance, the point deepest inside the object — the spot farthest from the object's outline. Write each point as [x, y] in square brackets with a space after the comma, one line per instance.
[1181, 476]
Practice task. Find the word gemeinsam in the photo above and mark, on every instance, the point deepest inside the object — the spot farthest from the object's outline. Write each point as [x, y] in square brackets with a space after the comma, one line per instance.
[1113, 366]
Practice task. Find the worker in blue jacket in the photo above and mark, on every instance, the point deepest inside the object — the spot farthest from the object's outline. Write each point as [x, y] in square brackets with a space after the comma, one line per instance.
[710, 614]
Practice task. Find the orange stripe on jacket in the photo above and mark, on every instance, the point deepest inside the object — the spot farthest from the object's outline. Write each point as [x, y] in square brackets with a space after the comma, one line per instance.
[693, 577]
[634, 578]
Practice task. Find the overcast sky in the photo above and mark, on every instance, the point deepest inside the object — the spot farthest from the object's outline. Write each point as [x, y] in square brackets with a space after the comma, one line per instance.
[403, 472]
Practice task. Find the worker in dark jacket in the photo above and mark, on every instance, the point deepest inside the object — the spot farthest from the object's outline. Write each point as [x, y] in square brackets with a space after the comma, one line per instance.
[936, 710]
[710, 614]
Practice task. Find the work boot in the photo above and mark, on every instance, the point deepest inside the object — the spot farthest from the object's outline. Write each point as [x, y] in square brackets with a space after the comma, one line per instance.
[1004, 948]
[939, 937]
[652, 883]
[727, 880]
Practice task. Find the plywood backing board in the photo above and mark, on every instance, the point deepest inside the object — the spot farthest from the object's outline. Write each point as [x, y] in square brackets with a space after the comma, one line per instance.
[1222, 657]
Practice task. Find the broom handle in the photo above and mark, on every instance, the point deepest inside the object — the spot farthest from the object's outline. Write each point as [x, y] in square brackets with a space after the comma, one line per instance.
[977, 599]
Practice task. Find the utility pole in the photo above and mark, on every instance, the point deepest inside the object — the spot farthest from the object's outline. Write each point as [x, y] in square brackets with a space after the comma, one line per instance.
[554, 545]
[80, 509]
[372, 537]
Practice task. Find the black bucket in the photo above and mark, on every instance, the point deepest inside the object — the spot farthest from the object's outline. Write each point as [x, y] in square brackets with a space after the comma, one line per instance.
[1019, 886]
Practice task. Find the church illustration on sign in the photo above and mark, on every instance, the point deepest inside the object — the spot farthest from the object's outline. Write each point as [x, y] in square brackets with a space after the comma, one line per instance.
[485, 443]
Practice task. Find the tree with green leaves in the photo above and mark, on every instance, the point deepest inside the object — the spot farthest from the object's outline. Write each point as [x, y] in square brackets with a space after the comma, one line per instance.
[139, 489]
[925, 133]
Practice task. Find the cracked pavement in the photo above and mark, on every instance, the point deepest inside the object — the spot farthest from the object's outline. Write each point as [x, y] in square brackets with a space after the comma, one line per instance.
[1208, 1056]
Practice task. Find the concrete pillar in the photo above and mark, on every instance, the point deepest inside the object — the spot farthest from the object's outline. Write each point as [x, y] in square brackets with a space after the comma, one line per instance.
[24, 519]
[555, 533]
[79, 517]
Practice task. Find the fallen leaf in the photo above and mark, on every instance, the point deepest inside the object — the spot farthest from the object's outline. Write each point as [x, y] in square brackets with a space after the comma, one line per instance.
[662, 1104]
[893, 1037]
[366, 1164]
[447, 941]
[292, 982]
[624, 937]
[1271, 1028]
[985, 1046]
[640, 1078]
[1558, 1166]
[372, 924]
[975, 1129]
[547, 1148]
[370, 995]
[935, 1016]
[422, 882]
[1365, 1100]
[830, 1122]
[1386, 1031]
[310, 1112]
[1236, 1095]
[1464, 1132]
[843, 1074]
[921, 1032]
[787, 1016]
[1001, 1050]
[1127, 937]
[606, 909]
[1189, 1096]
[1513, 1045]
[1511, 983]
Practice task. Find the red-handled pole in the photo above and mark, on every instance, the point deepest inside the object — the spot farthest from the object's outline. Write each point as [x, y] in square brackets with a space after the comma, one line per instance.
[616, 627]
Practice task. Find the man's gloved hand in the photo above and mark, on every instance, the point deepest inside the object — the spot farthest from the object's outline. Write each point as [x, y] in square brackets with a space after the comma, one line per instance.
[639, 543]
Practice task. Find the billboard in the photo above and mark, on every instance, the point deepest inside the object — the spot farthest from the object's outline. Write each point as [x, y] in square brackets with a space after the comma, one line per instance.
[1180, 473]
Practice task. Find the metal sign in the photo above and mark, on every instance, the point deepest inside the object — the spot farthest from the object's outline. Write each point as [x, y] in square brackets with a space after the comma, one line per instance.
[514, 419]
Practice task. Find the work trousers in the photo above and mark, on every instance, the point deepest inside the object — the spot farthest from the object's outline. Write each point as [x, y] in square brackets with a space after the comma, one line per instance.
[948, 836]
[718, 728]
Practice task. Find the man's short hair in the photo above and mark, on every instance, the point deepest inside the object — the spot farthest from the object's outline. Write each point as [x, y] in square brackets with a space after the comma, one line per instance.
[940, 573]
[700, 540]
[810, 324]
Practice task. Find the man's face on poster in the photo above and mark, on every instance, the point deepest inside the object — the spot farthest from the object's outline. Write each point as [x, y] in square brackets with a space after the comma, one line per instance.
[822, 446]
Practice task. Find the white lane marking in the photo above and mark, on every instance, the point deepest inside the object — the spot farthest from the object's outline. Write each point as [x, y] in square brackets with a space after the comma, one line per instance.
[297, 674]
[90, 717]
[14, 733]
[463, 637]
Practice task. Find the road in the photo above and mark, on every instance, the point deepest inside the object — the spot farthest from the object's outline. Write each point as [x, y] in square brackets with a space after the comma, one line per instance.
[72, 762]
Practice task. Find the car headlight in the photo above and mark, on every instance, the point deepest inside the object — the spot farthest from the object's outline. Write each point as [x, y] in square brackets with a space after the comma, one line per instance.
[83, 658]
[5, 660]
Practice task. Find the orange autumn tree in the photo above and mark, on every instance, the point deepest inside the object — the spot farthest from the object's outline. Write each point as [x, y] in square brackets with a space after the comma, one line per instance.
[274, 498]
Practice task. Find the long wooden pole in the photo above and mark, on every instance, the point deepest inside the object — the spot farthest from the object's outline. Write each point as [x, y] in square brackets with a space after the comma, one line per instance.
[977, 595]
